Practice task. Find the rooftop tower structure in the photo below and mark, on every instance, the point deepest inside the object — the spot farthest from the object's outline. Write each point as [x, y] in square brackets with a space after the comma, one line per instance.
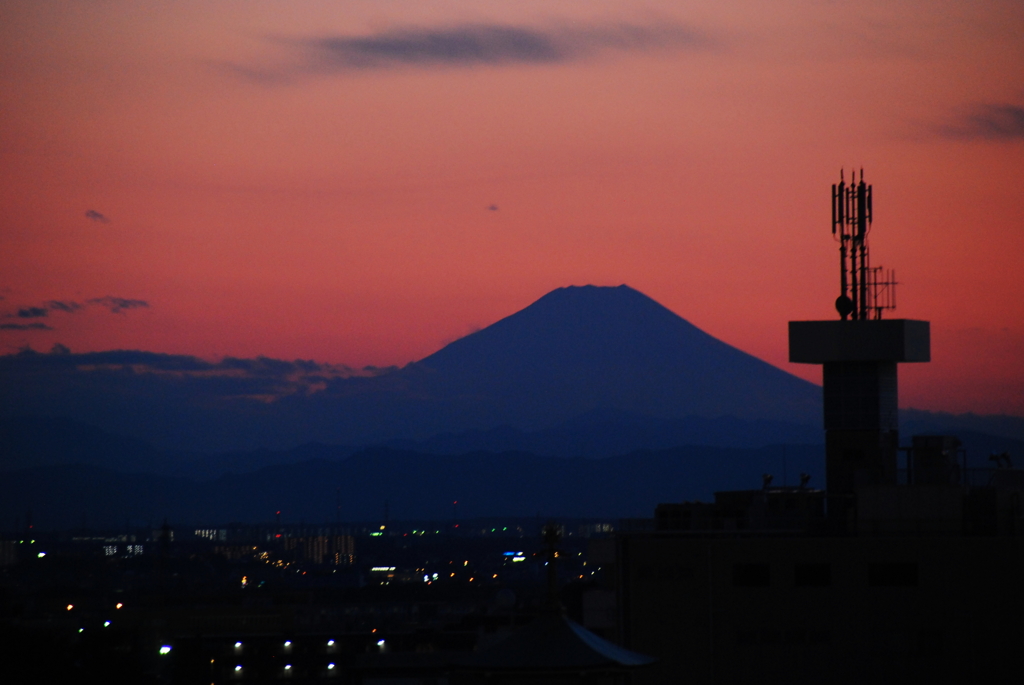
[859, 353]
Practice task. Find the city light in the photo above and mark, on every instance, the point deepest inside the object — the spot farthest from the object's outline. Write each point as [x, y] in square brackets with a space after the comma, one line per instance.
[238, 668]
[106, 624]
[165, 649]
[287, 643]
[41, 555]
[330, 643]
[380, 643]
[70, 607]
[118, 605]
[330, 667]
[287, 667]
[238, 645]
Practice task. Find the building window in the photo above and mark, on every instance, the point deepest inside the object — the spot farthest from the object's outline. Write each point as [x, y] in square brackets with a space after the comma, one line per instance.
[751, 575]
[812, 575]
[902, 574]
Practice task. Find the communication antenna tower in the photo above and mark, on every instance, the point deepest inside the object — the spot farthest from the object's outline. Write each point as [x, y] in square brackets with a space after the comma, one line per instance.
[864, 291]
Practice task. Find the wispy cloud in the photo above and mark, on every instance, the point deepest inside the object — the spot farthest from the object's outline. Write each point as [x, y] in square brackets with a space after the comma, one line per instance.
[117, 304]
[93, 215]
[468, 45]
[988, 122]
[262, 379]
[34, 326]
[59, 306]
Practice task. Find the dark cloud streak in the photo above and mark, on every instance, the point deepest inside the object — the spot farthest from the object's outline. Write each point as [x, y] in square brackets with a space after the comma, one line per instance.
[117, 304]
[69, 307]
[469, 45]
[989, 122]
[36, 326]
[93, 215]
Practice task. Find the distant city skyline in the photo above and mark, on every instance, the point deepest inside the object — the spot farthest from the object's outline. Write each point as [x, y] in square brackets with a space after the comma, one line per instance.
[363, 183]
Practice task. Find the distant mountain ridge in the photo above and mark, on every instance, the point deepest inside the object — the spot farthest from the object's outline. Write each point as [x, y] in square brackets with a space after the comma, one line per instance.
[591, 401]
[37, 441]
[414, 486]
[573, 351]
[29, 442]
[583, 371]
[607, 432]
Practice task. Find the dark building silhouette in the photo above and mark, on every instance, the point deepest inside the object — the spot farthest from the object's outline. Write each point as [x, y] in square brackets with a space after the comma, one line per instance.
[892, 573]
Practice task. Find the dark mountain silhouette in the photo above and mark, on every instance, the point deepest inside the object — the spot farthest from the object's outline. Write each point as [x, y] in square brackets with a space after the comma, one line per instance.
[582, 348]
[609, 432]
[576, 350]
[33, 441]
[36, 441]
[415, 485]
[943, 423]
[43, 441]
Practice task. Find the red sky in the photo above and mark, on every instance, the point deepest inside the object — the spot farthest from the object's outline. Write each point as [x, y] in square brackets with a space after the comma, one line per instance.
[313, 179]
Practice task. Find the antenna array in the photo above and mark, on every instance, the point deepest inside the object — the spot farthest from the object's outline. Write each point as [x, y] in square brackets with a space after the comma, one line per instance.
[865, 291]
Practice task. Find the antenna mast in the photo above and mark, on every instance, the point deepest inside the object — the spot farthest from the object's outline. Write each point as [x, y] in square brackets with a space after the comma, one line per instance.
[864, 291]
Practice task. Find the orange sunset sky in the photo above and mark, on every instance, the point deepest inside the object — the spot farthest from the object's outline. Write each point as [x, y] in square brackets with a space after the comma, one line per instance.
[316, 180]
